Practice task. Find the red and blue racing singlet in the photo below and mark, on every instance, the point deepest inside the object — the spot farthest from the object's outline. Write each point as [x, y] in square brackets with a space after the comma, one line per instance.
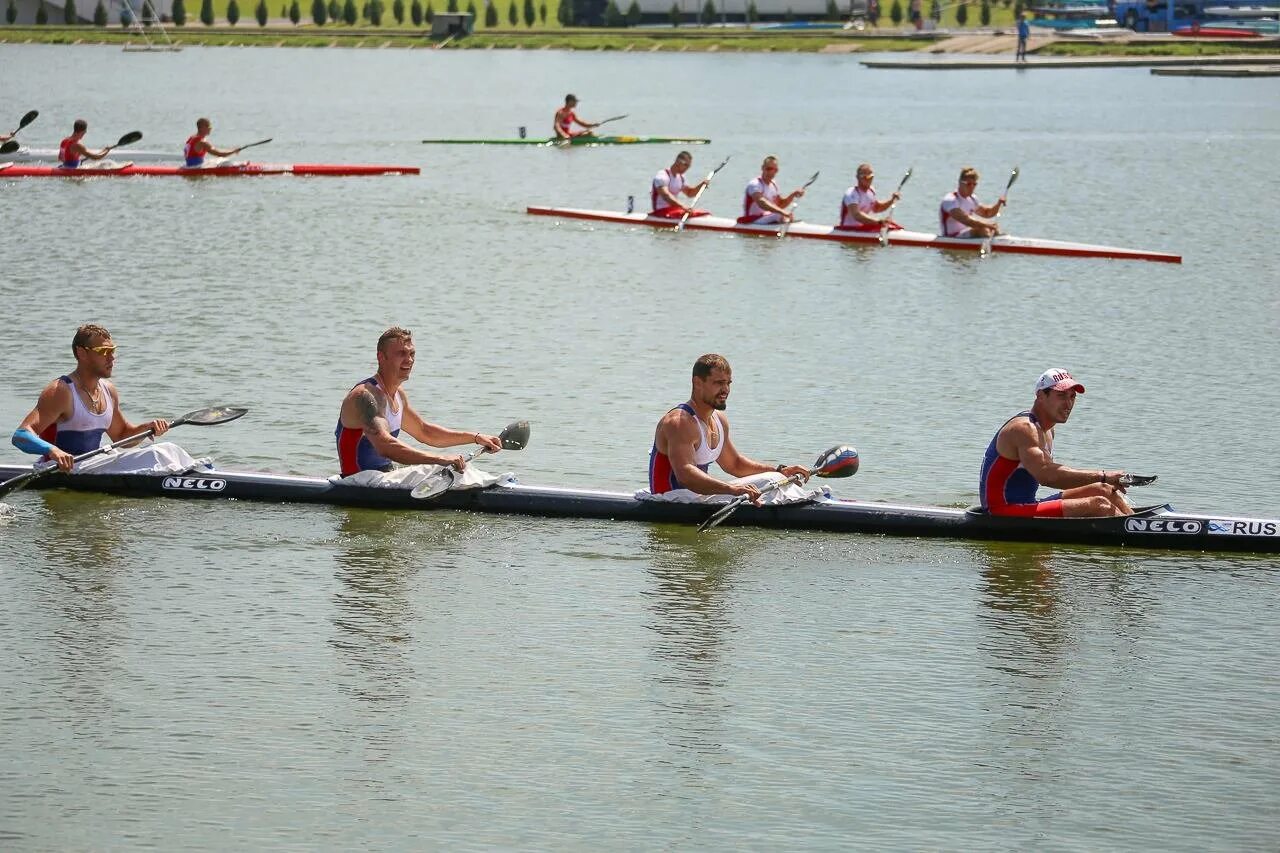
[662, 477]
[65, 158]
[83, 430]
[1006, 488]
[192, 156]
[355, 451]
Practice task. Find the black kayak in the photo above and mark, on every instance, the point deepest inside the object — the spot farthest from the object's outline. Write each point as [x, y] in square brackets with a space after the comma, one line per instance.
[1152, 527]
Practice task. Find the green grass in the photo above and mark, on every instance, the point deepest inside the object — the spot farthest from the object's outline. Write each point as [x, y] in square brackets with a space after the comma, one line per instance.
[1162, 49]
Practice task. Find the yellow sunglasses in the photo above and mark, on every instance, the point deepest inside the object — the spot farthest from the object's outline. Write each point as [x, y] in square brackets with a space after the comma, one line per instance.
[103, 350]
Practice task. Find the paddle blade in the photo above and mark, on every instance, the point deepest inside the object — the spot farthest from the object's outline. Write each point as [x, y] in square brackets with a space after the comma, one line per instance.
[1012, 177]
[436, 484]
[838, 462]
[515, 436]
[1128, 480]
[809, 182]
[9, 147]
[210, 416]
[27, 119]
[722, 513]
[129, 138]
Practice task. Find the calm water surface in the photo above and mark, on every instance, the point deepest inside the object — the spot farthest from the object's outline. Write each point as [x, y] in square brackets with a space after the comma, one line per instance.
[229, 676]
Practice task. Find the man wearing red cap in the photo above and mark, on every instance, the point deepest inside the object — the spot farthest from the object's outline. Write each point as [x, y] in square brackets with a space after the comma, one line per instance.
[1020, 459]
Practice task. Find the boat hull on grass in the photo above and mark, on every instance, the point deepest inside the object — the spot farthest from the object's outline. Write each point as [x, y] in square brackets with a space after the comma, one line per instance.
[1156, 527]
[1005, 244]
[230, 170]
[578, 141]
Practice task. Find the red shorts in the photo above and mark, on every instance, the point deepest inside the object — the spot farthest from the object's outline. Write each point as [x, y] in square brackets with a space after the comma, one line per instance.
[1049, 508]
[676, 212]
[868, 227]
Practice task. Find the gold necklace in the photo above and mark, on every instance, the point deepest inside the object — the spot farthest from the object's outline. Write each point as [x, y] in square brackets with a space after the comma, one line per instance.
[96, 403]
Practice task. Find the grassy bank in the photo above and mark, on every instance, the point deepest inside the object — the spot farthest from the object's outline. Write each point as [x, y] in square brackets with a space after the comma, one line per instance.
[1163, 48]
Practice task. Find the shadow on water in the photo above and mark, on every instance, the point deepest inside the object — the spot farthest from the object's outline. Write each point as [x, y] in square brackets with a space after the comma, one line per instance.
[378, 554]
[692, 578]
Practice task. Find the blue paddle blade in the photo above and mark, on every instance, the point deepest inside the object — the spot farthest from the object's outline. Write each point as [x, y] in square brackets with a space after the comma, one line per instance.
[837, 462]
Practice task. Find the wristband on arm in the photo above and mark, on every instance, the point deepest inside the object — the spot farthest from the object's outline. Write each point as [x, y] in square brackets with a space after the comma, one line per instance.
[28, 442]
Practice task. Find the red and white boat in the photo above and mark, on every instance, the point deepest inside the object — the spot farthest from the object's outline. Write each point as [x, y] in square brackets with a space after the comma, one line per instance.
[1006, 244]
[224, 170]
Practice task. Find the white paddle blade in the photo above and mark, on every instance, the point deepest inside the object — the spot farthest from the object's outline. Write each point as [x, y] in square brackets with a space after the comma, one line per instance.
[435, 484]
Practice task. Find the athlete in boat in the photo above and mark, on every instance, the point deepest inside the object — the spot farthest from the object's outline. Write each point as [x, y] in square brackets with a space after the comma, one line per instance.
[1020, 459]
[669, 185]
[198, 147]
[761, 204]
[858, 209]
[71, 150]
[962, 215]
[565, 119]
[695, 433]
[74, 411]
[376, 410]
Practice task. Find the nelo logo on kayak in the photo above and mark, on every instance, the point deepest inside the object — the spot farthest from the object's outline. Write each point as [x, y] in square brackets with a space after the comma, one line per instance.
[194, 484]
[1163, 525]
[1222, 527]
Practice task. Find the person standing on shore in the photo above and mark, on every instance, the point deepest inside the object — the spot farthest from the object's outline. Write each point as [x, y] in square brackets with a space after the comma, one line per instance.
[1024, 32]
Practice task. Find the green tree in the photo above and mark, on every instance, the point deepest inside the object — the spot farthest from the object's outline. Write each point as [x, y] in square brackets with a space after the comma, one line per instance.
[69, 16]
[429, 14]
[11, 12]
[349, 13]
[375, 12]
[984, 13]
[397, 11]
[935, 10]
[634, 15]
[564, 13]
[260, 13]
[319, 13]
[206, 12]
[833, 13]
[335, 11]
[451, 6]
[415, 12]
[962, 14]
[674, 15]
[490, 14]
[364, 10]
[530, 13]
[233, 12]
[178, 14]
[542, 13]
[613, 15]
[42, 14]
[709, 12]
[99, 14]
[753, 14]
[513, 15]
[471, 10]
[895, 12]
[295, 13]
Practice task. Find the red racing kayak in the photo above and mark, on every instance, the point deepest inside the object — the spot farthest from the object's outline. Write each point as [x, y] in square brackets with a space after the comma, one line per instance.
[225, 170]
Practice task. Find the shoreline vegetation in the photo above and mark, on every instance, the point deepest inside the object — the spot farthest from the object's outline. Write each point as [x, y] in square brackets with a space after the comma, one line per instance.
[701, 39]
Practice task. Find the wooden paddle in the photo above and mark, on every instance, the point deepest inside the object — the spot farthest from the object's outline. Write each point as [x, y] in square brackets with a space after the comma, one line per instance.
[706, 182]
[515, 436]
[884, 229]
[782, 232]
[200, 417]
[838, 462]
[986, 242]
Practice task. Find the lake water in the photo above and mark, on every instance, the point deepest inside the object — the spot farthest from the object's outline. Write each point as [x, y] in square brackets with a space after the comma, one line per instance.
[229, 676]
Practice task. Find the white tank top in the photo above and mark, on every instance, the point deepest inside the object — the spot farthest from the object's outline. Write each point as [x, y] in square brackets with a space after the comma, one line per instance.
[83, 420]
[704, 454]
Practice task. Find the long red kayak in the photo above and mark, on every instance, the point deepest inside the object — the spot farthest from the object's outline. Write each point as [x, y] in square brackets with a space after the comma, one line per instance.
[229, 170]
[1006, 243]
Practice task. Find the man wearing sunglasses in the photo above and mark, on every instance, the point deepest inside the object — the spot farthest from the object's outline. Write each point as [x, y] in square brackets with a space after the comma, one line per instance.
[762, 204]
[74, 411]
[963, 216]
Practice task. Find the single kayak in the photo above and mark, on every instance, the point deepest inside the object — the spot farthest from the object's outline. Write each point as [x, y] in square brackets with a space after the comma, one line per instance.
[1007, 244]
[224, 170]
[1152, 527]
[577, 140]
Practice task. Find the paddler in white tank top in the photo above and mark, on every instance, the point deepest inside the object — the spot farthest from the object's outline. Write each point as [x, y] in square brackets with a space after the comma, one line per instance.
[668, 186]
[859, 207]
[696, 433]
[761, 203]
[367, 437]
[961, 215]
[75, 411]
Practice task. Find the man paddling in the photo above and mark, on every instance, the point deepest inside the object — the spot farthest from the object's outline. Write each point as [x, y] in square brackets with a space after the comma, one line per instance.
[963, 215]
[376, 410]
[1020, 459]
[859, 208]
[566, 118]
[695, 433]
[74, 411]
[71, 150]
[669, 185]
[198, 147]
[762, 204]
